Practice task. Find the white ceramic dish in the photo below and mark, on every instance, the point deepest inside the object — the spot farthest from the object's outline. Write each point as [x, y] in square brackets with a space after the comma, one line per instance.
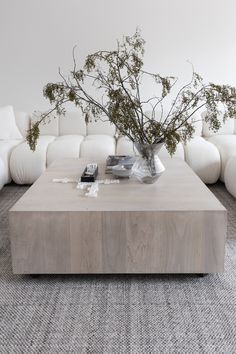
[121, 171]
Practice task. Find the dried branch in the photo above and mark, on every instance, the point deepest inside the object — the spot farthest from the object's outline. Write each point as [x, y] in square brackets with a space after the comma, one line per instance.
[117, 78]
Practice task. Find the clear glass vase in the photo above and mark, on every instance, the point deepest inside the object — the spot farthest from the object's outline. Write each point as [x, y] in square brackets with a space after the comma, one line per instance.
[148, 167]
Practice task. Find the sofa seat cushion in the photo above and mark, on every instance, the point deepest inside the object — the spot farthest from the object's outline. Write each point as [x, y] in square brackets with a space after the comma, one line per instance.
[26, 165]
[230, 175]
[126, 147]
[6, 148]
[100, 137]
[64, 146]
[97, 147]
[204, 158]
[226, 144]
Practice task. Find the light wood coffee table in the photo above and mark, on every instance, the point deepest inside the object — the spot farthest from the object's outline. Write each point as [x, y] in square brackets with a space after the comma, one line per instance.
[173, 226]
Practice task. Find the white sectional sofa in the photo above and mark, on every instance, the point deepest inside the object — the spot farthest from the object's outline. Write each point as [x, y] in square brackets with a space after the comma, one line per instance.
[11, 135]
[207, 153]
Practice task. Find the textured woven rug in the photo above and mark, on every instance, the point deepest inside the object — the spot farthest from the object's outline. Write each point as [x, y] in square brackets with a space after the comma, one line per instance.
[117, 314]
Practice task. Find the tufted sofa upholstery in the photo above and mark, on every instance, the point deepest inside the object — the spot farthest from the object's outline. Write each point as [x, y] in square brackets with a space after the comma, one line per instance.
[204, 158]
[69, 136]
[207, 153]
[230, 175]
[60, 138]
[2, 174]
[224, 140]
[7, 146]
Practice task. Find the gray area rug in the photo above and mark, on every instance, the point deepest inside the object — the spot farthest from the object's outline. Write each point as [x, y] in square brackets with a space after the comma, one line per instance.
[117, 314]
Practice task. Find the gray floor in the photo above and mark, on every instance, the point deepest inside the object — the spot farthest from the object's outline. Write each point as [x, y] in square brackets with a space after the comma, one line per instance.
[122, 314]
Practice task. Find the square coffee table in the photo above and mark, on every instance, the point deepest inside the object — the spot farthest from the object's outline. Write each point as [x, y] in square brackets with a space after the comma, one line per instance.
[173, 226]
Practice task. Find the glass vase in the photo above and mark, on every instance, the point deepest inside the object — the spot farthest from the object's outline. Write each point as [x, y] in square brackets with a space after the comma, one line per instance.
[148, 167]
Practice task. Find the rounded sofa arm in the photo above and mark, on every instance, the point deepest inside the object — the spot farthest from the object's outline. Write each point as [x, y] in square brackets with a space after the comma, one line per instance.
[204, 158]
[230, 176]
[25, 165]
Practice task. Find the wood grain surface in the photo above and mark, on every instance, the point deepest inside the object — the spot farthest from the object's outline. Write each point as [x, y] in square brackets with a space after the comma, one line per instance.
[173, 226]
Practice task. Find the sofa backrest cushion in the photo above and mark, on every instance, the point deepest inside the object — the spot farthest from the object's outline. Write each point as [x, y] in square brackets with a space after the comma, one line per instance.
[22, 122]
[197, 123]
[50, 126]
[72, 123]
[8, 127]
[196, 119]
[101, 127]
[227, 127]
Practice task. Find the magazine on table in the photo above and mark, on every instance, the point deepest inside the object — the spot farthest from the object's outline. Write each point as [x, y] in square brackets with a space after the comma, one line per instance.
[114, 160]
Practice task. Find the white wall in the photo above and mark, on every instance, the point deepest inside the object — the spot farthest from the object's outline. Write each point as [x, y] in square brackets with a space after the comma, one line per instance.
[37, 36]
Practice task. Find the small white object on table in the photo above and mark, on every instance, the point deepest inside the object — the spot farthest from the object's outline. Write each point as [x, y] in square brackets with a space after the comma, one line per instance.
[92, 187]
